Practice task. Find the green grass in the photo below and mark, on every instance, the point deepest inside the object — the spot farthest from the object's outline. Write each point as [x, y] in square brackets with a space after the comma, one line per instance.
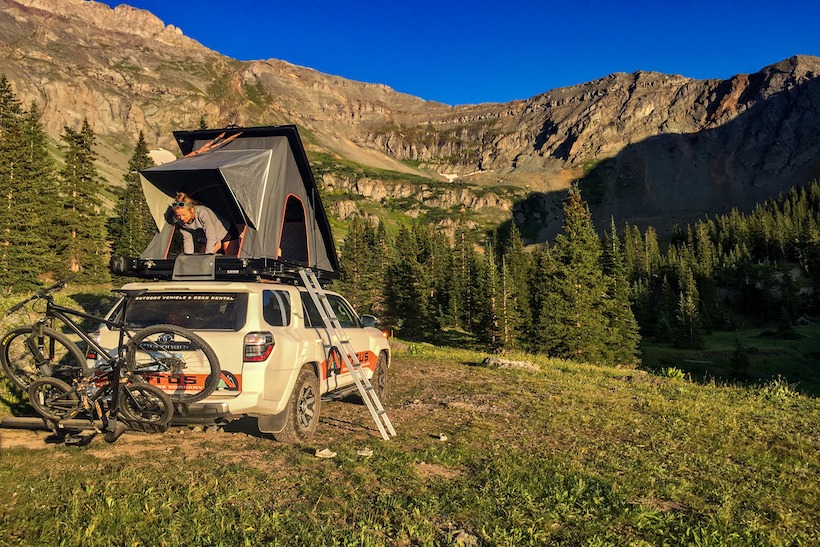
[794, 358]
[574, 455]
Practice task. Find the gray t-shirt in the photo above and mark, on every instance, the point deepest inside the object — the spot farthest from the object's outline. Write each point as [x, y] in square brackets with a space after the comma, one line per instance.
[205, 225]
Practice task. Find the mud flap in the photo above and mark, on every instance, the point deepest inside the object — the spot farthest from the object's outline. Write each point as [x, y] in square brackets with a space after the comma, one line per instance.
[272, 423]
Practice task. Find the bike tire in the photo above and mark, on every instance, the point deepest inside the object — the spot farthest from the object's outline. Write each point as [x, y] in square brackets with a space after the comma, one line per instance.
[176, 360]
[145, 404]
[60, 356]
[53, 399]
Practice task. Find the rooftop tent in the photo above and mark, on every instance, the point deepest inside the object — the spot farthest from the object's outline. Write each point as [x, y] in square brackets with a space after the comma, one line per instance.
[260, 179]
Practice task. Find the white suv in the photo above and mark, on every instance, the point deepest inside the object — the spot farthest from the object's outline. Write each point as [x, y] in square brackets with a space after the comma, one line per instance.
[276, 357]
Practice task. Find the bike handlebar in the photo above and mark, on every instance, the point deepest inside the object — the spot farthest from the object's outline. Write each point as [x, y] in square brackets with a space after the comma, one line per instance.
[42, 294]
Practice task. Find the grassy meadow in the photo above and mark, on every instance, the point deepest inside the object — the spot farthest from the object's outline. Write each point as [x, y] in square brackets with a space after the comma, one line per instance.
[569, 455]
[792, 356]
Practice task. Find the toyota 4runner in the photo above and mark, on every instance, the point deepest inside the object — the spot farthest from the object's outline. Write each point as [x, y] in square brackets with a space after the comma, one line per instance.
[276, 356]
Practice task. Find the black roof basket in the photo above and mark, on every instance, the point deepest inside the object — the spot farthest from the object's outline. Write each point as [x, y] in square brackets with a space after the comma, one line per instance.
[225, 268]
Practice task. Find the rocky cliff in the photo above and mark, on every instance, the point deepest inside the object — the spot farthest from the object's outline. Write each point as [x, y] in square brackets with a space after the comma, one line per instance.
[647, 147]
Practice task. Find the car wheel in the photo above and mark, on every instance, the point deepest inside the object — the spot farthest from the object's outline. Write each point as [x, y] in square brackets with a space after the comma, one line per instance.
[303, 409]
[379, 379]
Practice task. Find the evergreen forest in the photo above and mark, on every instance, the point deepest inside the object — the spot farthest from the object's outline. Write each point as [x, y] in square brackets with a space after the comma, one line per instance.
[584, 297]
[592, 298]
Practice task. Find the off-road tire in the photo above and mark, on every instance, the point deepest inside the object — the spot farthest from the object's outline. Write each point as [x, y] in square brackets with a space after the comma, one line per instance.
[303, 409]
[379, 378]
[64, 358]
[145, 358]
[53, 399]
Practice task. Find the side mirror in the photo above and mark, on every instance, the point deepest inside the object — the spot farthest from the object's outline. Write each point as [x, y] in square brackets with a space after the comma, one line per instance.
[369, 320]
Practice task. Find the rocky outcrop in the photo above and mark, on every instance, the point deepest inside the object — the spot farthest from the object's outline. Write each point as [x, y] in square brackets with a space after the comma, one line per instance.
[439, 196]
[647, 147]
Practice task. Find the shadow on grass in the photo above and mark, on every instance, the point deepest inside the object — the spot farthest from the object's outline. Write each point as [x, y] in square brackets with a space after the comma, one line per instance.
[13, 398]
[746, 358]
[456, 339]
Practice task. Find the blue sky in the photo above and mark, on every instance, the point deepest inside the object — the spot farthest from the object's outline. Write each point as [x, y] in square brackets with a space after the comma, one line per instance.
[461, 52]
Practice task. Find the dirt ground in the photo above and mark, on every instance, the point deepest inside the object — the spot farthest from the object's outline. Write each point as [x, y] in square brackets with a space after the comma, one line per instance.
[418, 415]
[234, 435]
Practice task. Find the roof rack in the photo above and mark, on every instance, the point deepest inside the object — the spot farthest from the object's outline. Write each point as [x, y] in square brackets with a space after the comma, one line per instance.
[222, 268]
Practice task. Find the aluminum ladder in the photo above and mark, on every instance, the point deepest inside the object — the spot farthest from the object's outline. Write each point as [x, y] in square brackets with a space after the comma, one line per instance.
[348, 353]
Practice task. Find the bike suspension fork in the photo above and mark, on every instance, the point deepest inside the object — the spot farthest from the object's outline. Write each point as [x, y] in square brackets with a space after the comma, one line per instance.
[36, 343]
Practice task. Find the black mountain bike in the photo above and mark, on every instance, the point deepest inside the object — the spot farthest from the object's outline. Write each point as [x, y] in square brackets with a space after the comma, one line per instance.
[169, 355]
[120, 401]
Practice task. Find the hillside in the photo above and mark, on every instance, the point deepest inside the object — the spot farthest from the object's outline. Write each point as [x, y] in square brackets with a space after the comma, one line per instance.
[651, 148]
[572, 455]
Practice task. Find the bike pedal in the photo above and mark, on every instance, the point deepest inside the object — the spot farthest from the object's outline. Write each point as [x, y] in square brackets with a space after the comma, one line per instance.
[78, 440]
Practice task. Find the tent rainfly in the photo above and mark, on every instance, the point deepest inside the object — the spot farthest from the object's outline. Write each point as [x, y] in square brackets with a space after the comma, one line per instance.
[260, 179]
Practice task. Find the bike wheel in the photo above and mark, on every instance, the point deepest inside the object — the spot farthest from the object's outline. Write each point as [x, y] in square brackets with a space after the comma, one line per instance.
[26, 355]
[53, 399]
[174, 359]
[145, 404]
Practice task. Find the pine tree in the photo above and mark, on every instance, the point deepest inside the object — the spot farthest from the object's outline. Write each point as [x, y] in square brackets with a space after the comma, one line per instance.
[705, 250]
[575, 313]
[623, 328]
[407, 288]
[355, 265]
[381, 257]
[543, 285]
[688, 332]
[490, 329]
[462, 301]
[10, 108]
[437, 264]
[84, 239]
[10, 157]
[39, 197]
[652, 253]
[29, 202]
[133, 227]
[631, 244]
[517, 265]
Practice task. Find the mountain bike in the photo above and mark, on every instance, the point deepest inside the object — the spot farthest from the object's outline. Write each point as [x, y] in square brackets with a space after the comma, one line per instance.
[120, 400]
[170, 355]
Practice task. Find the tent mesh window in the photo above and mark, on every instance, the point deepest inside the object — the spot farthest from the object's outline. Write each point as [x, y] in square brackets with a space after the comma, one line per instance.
[294, 243]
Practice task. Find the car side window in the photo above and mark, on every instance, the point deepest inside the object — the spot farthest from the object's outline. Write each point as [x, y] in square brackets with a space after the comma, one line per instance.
[344, 313]
[312, 316]
[276, 308]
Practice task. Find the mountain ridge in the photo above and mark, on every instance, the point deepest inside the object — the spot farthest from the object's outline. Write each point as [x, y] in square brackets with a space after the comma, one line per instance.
[724, 143]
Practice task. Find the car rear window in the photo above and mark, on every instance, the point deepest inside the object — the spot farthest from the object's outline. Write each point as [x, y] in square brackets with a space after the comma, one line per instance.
[196, 311]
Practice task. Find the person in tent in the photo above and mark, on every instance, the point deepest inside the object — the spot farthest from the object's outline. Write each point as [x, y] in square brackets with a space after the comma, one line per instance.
[203, 230]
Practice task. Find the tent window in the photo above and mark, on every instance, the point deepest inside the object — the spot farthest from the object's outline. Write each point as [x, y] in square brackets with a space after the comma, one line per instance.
[293, 243]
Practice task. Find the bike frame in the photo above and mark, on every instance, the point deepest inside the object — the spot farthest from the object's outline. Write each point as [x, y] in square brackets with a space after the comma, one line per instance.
[62, 313]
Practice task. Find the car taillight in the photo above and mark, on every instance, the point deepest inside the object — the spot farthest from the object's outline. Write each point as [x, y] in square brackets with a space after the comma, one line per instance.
[90, 352]
[258, 346]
